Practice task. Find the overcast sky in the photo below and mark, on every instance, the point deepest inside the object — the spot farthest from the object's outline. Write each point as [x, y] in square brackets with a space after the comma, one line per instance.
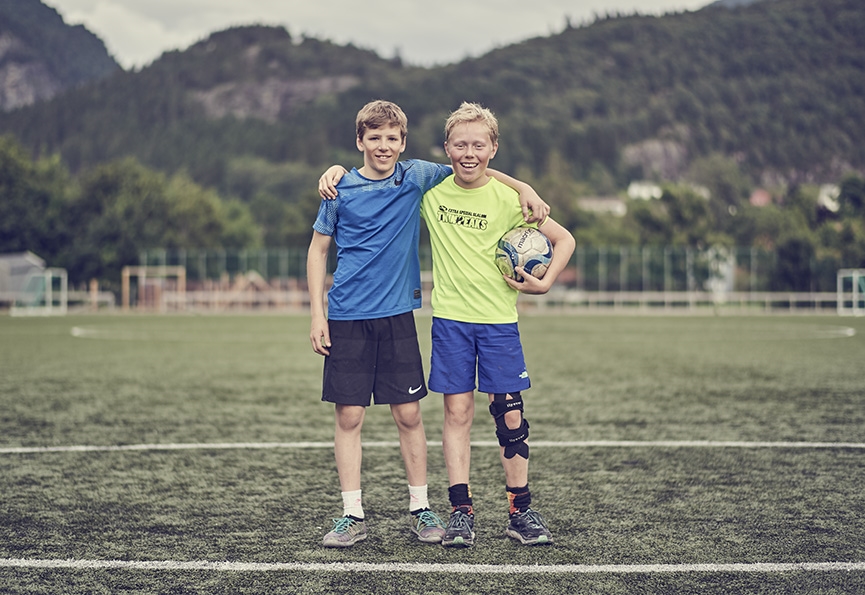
[136, 32]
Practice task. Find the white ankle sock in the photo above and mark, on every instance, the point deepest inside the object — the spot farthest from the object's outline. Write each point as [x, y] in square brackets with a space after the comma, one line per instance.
[351, 504]
[417, 496]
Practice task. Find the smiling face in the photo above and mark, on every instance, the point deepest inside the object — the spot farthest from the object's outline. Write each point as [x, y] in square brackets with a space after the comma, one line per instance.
[381, 147]
[470, 148]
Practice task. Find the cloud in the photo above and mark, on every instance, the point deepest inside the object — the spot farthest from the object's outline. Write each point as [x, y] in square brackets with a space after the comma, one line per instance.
[133, 38]
[426, 33]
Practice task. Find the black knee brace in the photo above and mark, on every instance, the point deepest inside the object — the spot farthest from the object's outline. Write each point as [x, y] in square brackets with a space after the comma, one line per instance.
[514, 441]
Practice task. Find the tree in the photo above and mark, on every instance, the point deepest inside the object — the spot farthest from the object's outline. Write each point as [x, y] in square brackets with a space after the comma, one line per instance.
[852, 196]
[728, 187]
[125, 208]
[198, 218]
[681, 217]
[794, 267]
[32, 196]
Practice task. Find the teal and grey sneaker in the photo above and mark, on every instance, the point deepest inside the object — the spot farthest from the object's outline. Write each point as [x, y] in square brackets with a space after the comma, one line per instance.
[529, 528]
[346, 532]
[460, 529]
[428, 526]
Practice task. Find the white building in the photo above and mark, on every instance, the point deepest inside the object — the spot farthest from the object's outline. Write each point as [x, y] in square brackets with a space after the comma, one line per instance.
[27, 286]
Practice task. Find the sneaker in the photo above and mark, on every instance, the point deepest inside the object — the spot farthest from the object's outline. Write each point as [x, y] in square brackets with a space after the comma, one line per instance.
[346, 532]
[529, 528]
[427, 525]
[460, 529]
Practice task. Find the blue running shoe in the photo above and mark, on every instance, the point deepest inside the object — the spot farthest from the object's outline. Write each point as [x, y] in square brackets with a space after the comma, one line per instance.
[529, 528]
[460, 529]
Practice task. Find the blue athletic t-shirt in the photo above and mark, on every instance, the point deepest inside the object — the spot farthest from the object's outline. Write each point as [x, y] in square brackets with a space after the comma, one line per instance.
[376, 227]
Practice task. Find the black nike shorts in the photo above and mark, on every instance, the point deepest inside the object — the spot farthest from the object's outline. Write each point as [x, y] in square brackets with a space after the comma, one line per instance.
[378, 358]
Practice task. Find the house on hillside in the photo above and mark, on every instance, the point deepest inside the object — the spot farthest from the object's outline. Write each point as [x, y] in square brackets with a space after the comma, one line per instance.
[644, 190]
[612, 205]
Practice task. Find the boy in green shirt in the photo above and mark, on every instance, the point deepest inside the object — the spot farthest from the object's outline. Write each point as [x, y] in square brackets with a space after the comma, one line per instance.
[474, 332]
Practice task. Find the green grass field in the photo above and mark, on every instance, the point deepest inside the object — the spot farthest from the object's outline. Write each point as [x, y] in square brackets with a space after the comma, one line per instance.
[673, 454]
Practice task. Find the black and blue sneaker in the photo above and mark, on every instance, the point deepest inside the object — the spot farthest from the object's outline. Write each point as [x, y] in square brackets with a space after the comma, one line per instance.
[529, 528]
[460, 529]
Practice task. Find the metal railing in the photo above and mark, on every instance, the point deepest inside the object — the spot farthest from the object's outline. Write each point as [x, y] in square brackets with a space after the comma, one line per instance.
[626, 278]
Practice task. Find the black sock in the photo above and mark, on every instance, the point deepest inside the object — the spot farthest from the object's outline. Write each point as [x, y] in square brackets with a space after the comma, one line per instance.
[460, 495]
[520, 499]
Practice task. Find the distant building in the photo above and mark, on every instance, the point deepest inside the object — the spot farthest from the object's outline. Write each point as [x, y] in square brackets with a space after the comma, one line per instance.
[603, 204]
[16, 270]
[27, 286]
[760, 198]
[701, 191]
[828, 197]
[644, 190]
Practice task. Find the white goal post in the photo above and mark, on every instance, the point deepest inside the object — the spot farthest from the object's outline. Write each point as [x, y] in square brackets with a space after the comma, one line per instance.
[156, 275]
[45, 293]
[851, 292]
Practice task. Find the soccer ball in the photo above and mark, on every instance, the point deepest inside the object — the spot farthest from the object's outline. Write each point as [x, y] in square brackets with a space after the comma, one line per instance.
[526, 247]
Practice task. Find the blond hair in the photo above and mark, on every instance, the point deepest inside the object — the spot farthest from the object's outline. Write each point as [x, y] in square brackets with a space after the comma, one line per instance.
[378, 114]
[473, 112]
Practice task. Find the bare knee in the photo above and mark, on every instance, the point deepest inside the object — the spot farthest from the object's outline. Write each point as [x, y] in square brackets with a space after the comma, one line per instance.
[407, 415]
[513, 419]
[459, 410]
[349, 417]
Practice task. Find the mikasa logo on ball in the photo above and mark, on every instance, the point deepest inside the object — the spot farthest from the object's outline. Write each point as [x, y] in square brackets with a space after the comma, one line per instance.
[526, 247]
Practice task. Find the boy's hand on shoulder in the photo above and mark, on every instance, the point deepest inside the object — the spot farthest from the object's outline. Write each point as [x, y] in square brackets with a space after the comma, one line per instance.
[328, 181]
[534, 208]
[530, 285]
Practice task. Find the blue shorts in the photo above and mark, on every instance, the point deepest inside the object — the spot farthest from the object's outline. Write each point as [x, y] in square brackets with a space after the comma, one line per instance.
[459, 349]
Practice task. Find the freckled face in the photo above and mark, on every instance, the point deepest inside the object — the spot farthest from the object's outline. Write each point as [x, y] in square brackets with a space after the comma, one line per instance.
[470, 150]
[381, 147]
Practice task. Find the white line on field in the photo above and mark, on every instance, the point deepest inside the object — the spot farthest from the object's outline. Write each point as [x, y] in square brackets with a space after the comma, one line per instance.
[394, 444]
[121, 334]
[764, 567]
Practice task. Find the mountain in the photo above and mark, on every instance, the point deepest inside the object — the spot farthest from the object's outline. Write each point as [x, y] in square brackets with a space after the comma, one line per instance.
[733, 3]
[246, 91]
[41, 56]
[776, 87]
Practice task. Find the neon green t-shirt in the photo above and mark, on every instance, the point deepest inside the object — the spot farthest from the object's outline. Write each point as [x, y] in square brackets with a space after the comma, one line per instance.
[465, 227]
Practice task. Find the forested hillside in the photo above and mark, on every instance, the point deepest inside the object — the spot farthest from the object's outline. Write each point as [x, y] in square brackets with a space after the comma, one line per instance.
[40, 56]
[721, 101]
[777, 85]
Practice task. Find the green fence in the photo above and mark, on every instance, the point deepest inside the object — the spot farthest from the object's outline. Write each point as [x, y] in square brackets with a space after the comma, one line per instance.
[270, 263]
[605, 268]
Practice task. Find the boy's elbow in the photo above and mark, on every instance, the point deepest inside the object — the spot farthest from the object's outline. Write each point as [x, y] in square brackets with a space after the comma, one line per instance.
[565, 246]
[566, 242]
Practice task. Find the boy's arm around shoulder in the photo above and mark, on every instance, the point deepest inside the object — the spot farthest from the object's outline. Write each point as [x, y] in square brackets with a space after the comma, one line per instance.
[563, 248]
[533, 206]
[328, 181]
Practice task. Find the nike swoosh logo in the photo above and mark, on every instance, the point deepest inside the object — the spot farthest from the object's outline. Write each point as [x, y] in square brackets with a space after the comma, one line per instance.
[412, 391]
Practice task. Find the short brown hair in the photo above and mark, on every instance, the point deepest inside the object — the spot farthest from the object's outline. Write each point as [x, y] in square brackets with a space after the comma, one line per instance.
[378, 114]
[473, 112]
